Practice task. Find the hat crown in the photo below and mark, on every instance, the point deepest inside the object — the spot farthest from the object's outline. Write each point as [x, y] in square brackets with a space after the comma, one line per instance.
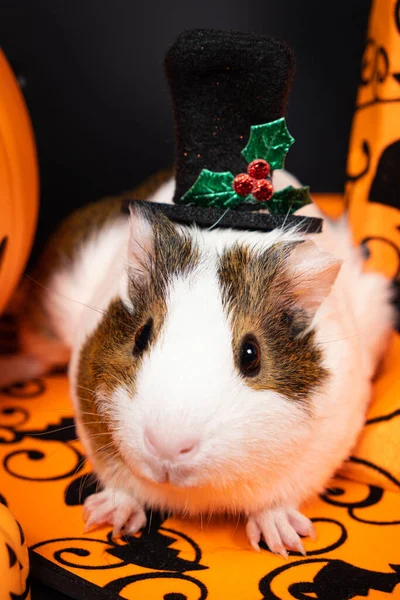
[222, 83]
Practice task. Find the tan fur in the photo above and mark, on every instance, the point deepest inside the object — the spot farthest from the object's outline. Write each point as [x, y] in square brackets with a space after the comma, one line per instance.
[260, 296]
[106, 361]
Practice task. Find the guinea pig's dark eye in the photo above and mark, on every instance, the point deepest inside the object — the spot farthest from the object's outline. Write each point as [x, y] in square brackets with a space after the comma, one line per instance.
[142, 338]
[250, 357]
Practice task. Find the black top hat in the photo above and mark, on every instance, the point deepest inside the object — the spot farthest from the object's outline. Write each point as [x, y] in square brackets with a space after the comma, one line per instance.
[229, 93]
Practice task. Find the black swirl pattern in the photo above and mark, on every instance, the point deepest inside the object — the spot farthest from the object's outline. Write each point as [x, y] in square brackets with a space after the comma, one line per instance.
[25, 390]
[375, 69]
[335, 580]
[397, 15]
[12, 422]
[384, 242]
[38, 455]
[370, 465]
[366, 151]
[337, 497]
[382, 418]
[385, 184]
[151, 550]
[119, 585]
[3, 248]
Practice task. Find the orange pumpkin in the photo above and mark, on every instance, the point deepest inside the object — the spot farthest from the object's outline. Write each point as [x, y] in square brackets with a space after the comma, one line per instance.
[19, 183]
[14, 559]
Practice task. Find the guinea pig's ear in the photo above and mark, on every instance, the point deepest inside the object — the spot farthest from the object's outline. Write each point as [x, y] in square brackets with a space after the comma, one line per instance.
[313, 273]
[141, 242]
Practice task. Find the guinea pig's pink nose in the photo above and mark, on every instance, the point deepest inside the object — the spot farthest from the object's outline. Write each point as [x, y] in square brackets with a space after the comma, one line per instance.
[170, 448]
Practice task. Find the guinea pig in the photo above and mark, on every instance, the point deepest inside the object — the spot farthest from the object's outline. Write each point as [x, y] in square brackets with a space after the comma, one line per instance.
[211, 371]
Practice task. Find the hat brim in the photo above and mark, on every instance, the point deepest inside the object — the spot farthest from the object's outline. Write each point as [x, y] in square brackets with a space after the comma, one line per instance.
[210, 218]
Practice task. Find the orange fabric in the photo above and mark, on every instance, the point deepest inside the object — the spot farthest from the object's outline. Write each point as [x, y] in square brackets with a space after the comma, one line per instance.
[43, 479]
[18, 183]
[332, 205]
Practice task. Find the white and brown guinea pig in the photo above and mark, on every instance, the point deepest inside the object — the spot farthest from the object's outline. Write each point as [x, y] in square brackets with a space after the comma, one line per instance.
[211, 370]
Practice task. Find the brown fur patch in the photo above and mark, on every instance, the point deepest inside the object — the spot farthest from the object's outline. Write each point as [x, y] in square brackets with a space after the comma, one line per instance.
[257, 294]
[173, 253]
[106, 362]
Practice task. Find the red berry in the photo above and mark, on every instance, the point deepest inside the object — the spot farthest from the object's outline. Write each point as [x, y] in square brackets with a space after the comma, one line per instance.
[259, 169]
[243, 184]
[263, 190]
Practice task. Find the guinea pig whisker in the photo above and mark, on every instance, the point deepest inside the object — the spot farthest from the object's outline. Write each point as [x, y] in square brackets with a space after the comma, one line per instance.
[115, 487]
[349, 337]
[53, 430]
[150, 520]
[81, 465]
[97, 434]
[45, 287]
[68, 415]
[81, 387]
[286, 217]
[82, 484]
[112, 454]
[90, 414]
[185, 509]
[98, 421]
[210, 514]
[57, 410]
[105, 446]
[220, 219]
[237, 523]
[96, 309]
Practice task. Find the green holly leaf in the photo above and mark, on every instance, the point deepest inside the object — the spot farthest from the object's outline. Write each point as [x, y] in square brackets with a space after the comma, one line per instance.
[288, 200]
[270, 142]
[213, 189]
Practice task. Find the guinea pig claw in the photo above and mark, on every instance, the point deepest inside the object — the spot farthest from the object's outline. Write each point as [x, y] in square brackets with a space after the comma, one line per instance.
[297, 546]
[281, 529]
[281, 551]
[89, 525]
[135, 522]
[128, 522]
[253, 534]
[301, 524]
[115, 508]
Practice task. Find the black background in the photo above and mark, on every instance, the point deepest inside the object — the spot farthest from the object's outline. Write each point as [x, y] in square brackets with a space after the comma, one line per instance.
[99, 102]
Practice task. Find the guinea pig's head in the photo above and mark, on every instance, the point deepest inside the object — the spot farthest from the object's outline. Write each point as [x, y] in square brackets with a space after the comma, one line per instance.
[204, 370]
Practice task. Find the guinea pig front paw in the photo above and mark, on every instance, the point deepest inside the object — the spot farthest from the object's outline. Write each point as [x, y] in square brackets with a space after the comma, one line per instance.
[280, 528]
[116, 508]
